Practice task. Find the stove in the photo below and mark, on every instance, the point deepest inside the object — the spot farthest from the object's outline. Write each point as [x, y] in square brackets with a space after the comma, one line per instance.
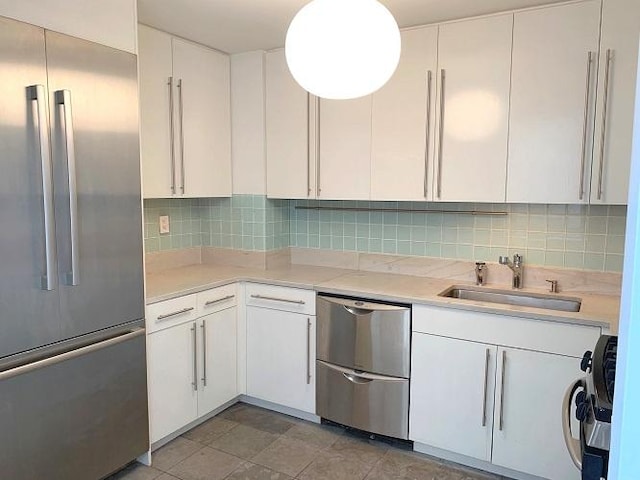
[594, 406]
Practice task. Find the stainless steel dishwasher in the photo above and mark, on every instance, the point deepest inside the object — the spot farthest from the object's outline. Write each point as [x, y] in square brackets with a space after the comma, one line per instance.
[363, 365]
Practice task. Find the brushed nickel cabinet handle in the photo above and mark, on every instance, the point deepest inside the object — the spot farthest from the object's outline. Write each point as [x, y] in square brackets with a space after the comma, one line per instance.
[308, 144]
[36, 94]
[318, 151]
[428, 133]
[485, 388]
[276, 299]
[172, 142]
[181, 119]
[174, 314]
[504, 368]
[195, 358]
[605, 113]
[218, 300]
[63, 101]
[443, 77]
[203, 326]
[585, 126]
[308, 351]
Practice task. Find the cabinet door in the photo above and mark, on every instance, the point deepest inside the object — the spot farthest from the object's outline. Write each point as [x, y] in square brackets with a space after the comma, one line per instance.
[173, 400]
[474, 60]
[218, 360]
[452, 391]
[155, 75]
[615, 107]
[203, 115]
[289, 154]
[552, 93]
[345, 149]
[403, 121]
[280, 357]
[528, 419]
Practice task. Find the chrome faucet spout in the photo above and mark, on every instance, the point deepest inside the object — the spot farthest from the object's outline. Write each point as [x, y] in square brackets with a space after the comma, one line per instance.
[516, 267]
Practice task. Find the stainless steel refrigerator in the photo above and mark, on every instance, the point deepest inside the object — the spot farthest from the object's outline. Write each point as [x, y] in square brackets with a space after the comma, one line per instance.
[73, 396]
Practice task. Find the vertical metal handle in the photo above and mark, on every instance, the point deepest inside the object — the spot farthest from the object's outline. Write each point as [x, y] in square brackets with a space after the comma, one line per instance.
[203, 326]
[428, 133]
[504, 368]
[63, 101]
[308, 144]
[485, 388]
[441, 131]
[195, 358]
[318, 184]
[172, 141]
[180, 118]
[308, 351]
[605, 113]
[585, 126]
[36, 94]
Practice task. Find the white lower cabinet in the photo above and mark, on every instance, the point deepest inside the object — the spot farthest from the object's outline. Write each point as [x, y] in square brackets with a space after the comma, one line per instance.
[281, 357]
[452, 401]
[173, 401]
[527, 432]
[501, 405]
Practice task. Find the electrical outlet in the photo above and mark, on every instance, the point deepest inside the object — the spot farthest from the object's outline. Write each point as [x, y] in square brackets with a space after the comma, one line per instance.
[164, 224]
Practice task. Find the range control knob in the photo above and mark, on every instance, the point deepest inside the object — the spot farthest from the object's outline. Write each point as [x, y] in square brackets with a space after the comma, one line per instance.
[587, 360]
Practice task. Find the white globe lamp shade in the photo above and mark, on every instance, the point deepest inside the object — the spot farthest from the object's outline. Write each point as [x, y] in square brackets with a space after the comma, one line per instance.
[341, 49]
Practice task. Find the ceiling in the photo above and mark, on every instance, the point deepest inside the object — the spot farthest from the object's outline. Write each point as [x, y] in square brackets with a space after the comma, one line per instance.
[235, 26]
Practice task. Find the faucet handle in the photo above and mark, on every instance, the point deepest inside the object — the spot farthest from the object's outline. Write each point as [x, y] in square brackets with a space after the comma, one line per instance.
[503, 260]
[554, 286]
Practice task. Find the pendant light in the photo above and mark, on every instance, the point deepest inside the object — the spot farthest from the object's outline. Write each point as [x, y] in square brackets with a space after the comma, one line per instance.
[341, 49]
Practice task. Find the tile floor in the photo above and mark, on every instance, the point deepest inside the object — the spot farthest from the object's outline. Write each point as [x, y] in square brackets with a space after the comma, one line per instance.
[250, 443]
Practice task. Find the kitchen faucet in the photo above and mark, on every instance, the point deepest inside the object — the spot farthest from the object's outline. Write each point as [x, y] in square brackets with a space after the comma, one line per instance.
[516, 267]
[481, 273]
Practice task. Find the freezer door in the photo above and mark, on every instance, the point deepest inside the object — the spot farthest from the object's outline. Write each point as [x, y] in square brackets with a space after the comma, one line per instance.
[96, 157]
[29, 306]
[366, 336]
[373, 403]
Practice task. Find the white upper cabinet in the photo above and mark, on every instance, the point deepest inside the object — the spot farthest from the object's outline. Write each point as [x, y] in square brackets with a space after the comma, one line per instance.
[185, 118]
[344, 133]
[290, 173]
[203, 120]
[615, 107]
[474, 65]
[402, 122]
[155, 64]
[553, 90]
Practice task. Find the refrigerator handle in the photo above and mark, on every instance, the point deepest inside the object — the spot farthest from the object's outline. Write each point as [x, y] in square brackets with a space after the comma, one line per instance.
[63, 102]
[36, 93]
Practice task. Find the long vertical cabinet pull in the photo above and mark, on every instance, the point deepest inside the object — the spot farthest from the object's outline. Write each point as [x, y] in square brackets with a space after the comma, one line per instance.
[194, 335]
[485, 387]
[36, 94]
[441, 131]
[63, 101]
[308, 351]
[318, 184]
[203, 326]
[172, 142]
[308, 144]
[605, 110]
[504, 368]
[180, 118]
[428, 133]
[585, 126]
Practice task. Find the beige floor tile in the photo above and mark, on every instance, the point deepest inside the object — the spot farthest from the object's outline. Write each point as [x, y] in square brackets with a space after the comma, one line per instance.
[329, 466]
[206, 464]
[173, 453]
[210, 430]
[354, 448]
[250, 471]
[136, 471]
[287, 456]
[244, 442]
[319, 435]
[259, 418]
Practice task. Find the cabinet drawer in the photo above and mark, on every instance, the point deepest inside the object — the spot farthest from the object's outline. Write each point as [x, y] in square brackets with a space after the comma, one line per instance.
[281, 298]
[539, 335]
[216, 299]
[171, 312]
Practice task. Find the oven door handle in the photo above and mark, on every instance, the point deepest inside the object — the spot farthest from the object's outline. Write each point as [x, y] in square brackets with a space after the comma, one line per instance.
[573, 445]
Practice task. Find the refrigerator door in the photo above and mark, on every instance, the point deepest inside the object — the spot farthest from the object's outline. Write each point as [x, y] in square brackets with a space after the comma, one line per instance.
[76, 415]
[29, 305]
[96, 157]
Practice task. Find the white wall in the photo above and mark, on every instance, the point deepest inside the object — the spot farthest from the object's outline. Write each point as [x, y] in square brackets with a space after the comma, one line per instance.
[111, 22]
[248, 123]
[624, 463]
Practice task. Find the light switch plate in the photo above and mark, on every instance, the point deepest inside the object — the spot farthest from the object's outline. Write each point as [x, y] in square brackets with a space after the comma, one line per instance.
[164, 224]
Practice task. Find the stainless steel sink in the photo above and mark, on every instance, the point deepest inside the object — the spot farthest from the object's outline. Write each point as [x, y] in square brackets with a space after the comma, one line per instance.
[508, 297]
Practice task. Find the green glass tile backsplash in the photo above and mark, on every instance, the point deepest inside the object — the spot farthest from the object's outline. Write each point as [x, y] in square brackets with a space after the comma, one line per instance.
[572, 236]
